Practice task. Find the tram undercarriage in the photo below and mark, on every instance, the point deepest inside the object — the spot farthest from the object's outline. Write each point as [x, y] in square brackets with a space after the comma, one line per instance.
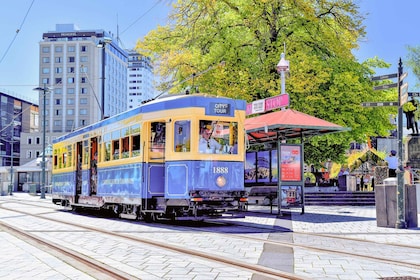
[159, 208]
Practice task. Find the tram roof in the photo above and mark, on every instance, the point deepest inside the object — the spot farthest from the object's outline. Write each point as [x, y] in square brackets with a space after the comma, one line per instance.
[287, 124]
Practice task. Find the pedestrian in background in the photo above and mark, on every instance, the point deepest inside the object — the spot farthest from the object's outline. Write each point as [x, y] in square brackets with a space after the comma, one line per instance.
[392, 161]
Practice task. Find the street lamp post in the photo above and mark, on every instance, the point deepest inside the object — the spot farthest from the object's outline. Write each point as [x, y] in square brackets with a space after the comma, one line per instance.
[44, 89]
[102, 44]
[12, 140]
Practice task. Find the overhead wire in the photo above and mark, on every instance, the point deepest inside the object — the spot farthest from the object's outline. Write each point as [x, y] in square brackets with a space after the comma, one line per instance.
[140, 17]
[17, 32]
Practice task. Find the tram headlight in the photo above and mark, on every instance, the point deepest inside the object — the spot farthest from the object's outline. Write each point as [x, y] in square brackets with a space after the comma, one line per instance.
[220, 181]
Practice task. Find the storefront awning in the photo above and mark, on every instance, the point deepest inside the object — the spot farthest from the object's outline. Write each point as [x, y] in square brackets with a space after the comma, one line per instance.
[287, 124]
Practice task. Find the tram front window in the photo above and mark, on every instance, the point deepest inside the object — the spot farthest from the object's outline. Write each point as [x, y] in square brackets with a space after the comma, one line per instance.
[218, 137]
[182, 136]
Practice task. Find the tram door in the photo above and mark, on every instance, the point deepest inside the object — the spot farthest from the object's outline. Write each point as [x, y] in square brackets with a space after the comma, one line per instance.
[79, 157]
[93, 171]
[156, 172]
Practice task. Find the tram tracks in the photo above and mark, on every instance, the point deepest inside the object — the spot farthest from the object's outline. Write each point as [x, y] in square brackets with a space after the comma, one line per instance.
[294, 245]
[262, 271]
[83, 263]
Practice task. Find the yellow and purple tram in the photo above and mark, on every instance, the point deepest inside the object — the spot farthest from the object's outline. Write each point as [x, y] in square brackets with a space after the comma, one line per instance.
[147, 162]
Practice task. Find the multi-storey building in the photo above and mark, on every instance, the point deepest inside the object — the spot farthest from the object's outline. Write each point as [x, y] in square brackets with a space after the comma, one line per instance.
[139, 79]
[18, 115]
[84, 74]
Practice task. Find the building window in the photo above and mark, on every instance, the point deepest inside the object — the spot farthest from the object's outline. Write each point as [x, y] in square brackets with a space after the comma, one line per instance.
[83, 59]
[58, 112]
[83, 80]
[57, 101]
[45, 70]
[38, 140]
[70, 101]
[83, 48]
[83, 111]
[45, 80]
[82, 122]
[70, 80]
[71, 59]
[28, 154]
[57, 123]
[58, 70]
[70, 70]
[83, 90]
[29, 140]
[58, 91]
[70, 91]
[83, 100]
[70, 123]
[58, 59]
[70, 112]
[58, 81]
[83, 69]
[45, 49]
[58, 49]
[45, 60]
[71, 48]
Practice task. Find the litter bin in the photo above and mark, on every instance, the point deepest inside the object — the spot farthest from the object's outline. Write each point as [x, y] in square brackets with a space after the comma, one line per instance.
[386, 204]
[32, 189]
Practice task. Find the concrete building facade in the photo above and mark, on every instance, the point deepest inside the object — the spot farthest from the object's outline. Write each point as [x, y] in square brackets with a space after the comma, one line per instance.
[139, 79]
[83, 73]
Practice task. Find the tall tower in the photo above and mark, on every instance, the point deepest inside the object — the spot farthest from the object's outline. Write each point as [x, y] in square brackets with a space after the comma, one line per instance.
[85, 72]
[139, 79]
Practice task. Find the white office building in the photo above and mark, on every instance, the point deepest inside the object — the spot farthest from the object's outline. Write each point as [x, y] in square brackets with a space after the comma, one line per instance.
[139, 79]
[84, 74]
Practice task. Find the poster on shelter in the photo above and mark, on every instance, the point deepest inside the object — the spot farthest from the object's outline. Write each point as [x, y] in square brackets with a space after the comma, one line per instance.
[251, 168]
[274, 166]
[291, 196]
[291, 163]
[263, 166]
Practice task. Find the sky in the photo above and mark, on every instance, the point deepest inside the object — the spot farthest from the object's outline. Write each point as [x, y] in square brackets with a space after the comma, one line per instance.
[390, 25]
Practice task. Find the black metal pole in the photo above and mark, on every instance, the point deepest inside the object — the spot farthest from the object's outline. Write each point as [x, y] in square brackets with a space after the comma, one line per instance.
[400, 223]
[43, 143]
[103, 83]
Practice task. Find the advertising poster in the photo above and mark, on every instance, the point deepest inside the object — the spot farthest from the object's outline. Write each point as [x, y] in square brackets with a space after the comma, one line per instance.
[251, 168]
[291, 164]
[263, 166]
[274, 167]
[291, 196]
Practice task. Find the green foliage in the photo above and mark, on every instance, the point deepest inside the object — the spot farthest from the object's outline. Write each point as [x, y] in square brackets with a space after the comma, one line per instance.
[413, 60]
[325, 79]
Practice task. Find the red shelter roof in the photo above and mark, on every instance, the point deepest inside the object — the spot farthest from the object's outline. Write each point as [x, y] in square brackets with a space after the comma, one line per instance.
[287, 124]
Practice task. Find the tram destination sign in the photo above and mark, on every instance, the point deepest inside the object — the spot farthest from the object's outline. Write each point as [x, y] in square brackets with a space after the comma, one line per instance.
[380, 104]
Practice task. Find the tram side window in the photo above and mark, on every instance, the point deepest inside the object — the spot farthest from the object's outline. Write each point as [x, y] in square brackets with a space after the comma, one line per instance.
[107, 147]
[135, 140]
[85, 152]
[182, 136]
[157, 145]
[135, 145]
[69, 155]
[116, 149]
[218, 137]
[55, 159]
[125, 143]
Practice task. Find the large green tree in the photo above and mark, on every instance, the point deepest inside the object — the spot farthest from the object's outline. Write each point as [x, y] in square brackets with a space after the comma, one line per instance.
[248, 36]
[413, 61]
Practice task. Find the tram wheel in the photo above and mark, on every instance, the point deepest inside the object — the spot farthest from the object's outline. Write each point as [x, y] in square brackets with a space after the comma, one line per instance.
[150, 217]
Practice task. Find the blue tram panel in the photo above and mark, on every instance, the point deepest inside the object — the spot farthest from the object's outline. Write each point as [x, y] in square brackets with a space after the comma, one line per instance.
[186, 177]
[150, 162]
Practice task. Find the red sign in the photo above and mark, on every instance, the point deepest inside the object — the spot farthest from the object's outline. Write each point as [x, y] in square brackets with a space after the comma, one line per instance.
[291, 163]
[269, 104]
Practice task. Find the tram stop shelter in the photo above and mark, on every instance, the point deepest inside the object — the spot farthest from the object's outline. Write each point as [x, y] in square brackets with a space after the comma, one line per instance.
[285, 125]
